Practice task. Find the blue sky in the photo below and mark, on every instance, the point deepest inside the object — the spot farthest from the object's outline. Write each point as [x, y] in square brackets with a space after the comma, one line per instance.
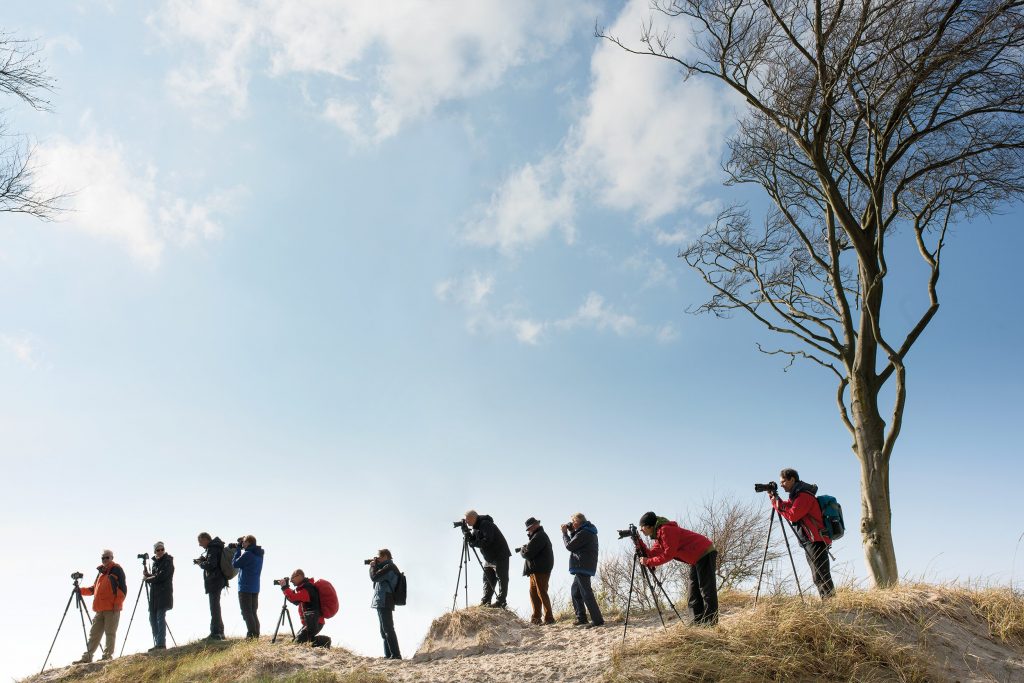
[335, 273]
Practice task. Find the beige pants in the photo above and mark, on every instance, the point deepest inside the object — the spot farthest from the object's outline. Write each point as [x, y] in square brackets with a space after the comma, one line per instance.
[103, 623]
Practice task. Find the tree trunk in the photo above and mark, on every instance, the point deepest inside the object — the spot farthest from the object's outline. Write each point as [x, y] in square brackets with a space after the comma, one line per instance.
[876, 513]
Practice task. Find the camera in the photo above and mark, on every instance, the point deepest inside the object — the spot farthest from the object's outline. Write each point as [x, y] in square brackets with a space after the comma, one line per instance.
[198, 560]
[143, 556]
[75, 576]
[370, 561]
[280, 582]
[461, 523]
[518, 550]
[628, 533]
[232, 546]
[770, 486]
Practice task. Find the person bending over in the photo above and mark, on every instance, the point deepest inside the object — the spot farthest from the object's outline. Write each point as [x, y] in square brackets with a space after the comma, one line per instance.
[673, 542]
[485, 535]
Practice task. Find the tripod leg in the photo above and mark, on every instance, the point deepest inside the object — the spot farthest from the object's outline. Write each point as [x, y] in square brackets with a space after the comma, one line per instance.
[291, 627]
[74, 592]
[629, 597]
[124, 640]
[647, 579]
[280, 620]
[458, 578]
[665, 593]
[791, 562]
[465, 576]
[764, 558]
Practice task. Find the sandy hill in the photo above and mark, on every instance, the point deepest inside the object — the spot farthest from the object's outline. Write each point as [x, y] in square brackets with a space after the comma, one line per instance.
[921, 633]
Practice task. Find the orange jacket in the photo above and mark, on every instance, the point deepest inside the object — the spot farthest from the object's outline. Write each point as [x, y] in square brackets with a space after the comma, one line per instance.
[109, 590]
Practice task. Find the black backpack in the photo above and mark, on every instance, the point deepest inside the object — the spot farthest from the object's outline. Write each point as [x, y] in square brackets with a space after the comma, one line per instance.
[401, 589]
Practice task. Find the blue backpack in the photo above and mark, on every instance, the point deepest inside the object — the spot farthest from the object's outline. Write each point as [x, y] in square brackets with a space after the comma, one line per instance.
[832, 516]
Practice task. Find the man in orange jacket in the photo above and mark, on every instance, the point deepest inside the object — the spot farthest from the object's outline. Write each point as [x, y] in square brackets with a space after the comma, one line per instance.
[108, 591]
[673, 542]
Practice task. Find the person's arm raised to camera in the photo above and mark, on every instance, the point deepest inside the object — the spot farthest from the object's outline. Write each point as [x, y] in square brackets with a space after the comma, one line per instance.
[796, 509]
[241, 560]
[661, 551]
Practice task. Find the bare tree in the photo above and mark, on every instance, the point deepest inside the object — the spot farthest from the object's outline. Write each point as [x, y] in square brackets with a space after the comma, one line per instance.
[864, 121]
[23, 75]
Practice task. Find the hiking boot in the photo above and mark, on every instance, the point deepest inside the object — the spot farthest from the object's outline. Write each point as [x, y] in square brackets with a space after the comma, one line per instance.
[83, 660]
[536, 622]
[596, 624]
[579, 623]
[106, 658]
[548, 622]
[157, 648]
[499, 605]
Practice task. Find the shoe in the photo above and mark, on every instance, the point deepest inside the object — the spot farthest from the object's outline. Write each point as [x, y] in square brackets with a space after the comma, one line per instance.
[215, 636]
[83, 660]
[548, 622]
[106, 658]
[157, 648]
[485, 604]
[595, 625]
[500, 605]
[536, 622]
[578, 623]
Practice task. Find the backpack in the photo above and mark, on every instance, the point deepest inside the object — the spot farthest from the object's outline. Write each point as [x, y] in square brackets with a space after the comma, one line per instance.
[328, 598]
[832, 516]
[401, 589]
[226, 569]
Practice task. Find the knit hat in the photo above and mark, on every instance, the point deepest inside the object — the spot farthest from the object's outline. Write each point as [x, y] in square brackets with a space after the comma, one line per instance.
[648, 519]
[531, 521]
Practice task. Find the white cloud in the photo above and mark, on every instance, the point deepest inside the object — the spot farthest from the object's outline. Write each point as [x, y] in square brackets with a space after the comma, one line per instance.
[471, 291]
[667, 334]
[22, 347]
[121, 202]
[401, 58]
[655, 271]
[596, 314]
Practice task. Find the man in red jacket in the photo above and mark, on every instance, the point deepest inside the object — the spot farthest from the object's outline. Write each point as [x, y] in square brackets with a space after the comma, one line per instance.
[804, 514]
[673, 542]
[108, 593]
[307, 597]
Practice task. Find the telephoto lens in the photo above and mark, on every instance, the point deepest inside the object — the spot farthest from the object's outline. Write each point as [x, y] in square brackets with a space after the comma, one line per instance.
[460, 523]
[369, 561]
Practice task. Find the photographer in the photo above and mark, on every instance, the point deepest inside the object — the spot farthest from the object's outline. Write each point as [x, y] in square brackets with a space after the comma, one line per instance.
[214, 580]
[673, 542]
[540, 560]
[580, 539]
[108, 591]
[307, 598]
[485, 535]
[161, 594]
[248, 560]
[384, 575]
[804, 513]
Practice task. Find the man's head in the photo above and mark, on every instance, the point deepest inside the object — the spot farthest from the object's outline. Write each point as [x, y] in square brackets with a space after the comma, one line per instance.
[578, 520]
[298, 577]
[248, 541]
[532, 524]
[383, 554]
[107, 558]
[204, 539]
[471, 517]
[788, 479]
[158, 549]
[648, 524]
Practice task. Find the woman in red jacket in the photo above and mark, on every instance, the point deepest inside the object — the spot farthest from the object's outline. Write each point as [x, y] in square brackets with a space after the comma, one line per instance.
[673, 542]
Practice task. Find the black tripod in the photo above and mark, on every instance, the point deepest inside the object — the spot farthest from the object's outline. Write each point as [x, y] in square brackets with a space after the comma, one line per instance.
[789, 550]
[650, 578]
[83, 613]
[142, 584]
[464, 565]
[285, 614]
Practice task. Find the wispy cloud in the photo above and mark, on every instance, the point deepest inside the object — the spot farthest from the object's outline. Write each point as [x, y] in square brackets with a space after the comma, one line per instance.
[23, 348]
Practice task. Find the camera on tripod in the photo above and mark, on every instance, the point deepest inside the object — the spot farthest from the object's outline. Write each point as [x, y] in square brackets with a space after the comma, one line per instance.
[143, 556]
[631, 532]
[770, 486]
[76, 576]
[460, 524]
[280, 582]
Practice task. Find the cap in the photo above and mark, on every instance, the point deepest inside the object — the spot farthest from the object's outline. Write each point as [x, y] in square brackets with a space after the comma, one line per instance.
[531, 521]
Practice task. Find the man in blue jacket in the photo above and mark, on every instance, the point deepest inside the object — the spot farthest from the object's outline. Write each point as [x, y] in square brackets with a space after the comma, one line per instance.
[248, 560]
[580, 539]
[384, 575]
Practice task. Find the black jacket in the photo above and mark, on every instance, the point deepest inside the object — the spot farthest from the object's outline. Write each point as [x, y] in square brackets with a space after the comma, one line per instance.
[540, 557]
[582, 544]
[161, 586]
[213, 577]
[488, 537]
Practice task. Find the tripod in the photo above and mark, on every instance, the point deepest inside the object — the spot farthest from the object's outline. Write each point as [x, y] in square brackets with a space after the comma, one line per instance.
[83, 613]
[143, 583]
[464, 564]
[789, 550]
[651, 579]
[280, 621]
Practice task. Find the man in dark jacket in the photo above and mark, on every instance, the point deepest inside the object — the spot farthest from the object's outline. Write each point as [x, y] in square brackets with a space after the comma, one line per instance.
[804, 513]
[580, 539]
[248, 560]
[485, 535]
[673, 542]
[540, 560]
[307, 597]
[213, 580]
[384, 575]
[161, 594]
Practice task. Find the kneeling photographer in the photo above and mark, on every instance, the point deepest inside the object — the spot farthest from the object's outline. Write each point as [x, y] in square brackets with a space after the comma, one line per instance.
[384, 575]
[673, 542]
[804, 514]
[307, 597]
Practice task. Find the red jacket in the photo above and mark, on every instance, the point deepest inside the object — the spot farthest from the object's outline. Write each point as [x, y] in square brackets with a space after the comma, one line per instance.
[673, 542]
[804, 511]
[109, 589]
[304, 599]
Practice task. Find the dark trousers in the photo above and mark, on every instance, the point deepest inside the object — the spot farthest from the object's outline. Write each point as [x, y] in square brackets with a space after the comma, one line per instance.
[216, 623]
[703, 599]
[583, 600]
[496, 576]
[310, 627]
[386, 616]
[821, 571]
[539, 598]
[158, 622]
[249, 604]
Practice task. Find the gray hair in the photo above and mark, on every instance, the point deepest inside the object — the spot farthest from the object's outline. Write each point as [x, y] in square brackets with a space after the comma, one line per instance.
[579, 517]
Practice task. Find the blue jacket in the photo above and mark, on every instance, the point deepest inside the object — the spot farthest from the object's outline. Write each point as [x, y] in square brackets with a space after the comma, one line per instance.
[582, 546]
[249, 564]
[385, 579]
